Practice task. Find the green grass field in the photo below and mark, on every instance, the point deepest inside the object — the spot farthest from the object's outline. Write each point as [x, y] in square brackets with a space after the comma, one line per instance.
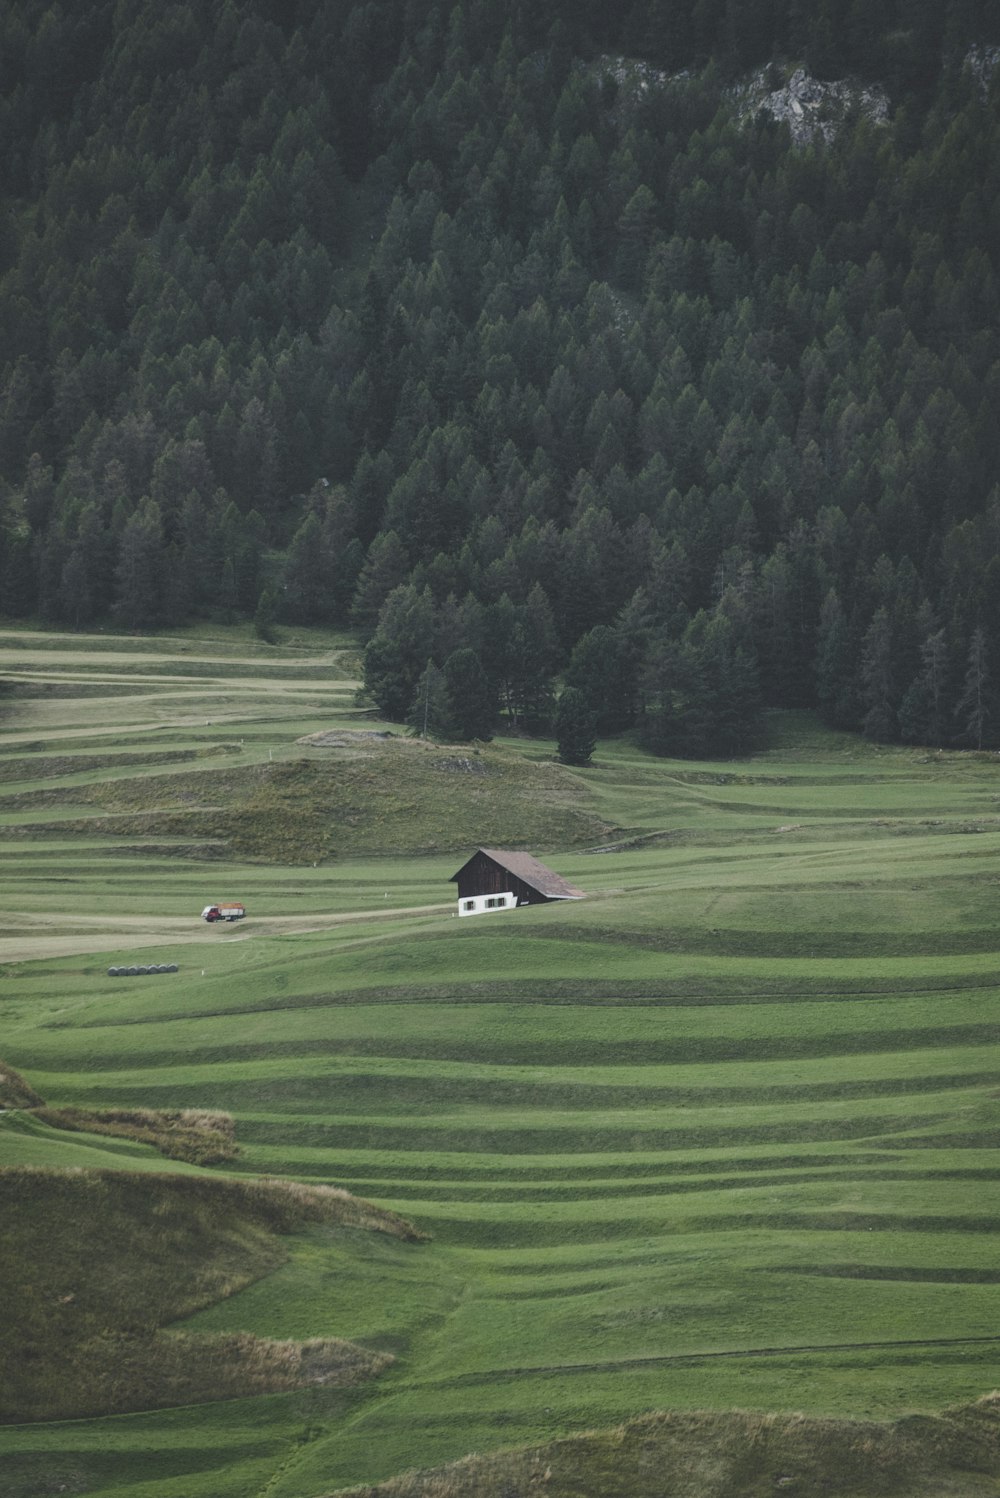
[723, 1135]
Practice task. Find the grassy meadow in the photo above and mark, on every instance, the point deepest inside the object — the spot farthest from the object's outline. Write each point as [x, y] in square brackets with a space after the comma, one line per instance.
[723, 1135]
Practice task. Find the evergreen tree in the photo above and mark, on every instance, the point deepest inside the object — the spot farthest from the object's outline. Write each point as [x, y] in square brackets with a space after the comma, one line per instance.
[265, 617]
[877, 684]
[388, 678]
[576, 727]
[923, 711]
[976, 710]
[836, 687]
[226, 595]
[536, 656]
[385, 568]
[308, 574]
[599, 672]
[140, 573]
[659, 729]
[397, 653]
[701, 694]
[473, 700]
[431, 714]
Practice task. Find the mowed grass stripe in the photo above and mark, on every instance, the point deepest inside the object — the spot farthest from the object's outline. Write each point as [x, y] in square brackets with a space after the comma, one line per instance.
[660, 1052]
[357, 1093]
[459, 1169]
[618, 995]
[424, 1178]
[676, 1260]
[404, 1103]
[588, 1134]
[598, 1190]
[508, 1033]
[741, 1354]
[321, 1079]
[473, 1227]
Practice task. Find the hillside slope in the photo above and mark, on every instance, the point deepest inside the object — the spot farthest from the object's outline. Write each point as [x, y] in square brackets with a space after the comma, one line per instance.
[97, 1263]
[301, 307]
[722, 1135]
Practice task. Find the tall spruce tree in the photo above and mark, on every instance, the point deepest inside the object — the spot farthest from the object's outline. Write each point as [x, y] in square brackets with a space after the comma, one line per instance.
[878, 688]
[976, 710]
[472, 698]
[923, 712]
[431, 714]
[576, 727]
[140, 575]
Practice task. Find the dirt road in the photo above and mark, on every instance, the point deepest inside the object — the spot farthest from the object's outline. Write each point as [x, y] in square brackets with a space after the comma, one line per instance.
[25, 937]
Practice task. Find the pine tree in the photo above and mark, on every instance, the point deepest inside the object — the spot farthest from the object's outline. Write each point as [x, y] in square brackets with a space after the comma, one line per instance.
[388, 678]
[473, 700]
[976, 710]
[385, 568]
[431, 714]
[660, 683]
[701, 695]
[140, 572]
[307, 574]
[836, 690]
[599, 672]
[576, 728]
[923, 711]
[399, 650]
[877, 684]
[266, 616]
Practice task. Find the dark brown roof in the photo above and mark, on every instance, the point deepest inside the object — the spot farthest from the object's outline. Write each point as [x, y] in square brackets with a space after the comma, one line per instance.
[547, 882]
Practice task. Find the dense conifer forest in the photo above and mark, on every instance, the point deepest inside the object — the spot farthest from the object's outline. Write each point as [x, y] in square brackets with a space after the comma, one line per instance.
[512, 338]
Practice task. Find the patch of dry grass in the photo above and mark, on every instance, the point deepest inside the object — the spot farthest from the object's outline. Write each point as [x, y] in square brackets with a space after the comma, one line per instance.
[15, 1092]
[133, 1371]
[293, 1203]
[197, 1136]
[735, 1454]
[98, 1264]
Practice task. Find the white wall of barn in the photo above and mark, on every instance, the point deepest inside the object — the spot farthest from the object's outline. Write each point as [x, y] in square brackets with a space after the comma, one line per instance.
[487, 904]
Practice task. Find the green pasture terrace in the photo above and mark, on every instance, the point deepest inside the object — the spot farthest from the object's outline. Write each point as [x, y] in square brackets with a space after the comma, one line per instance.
[722, 1135]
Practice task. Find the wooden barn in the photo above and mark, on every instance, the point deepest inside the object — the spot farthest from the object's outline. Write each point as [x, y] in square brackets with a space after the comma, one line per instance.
[494, 879]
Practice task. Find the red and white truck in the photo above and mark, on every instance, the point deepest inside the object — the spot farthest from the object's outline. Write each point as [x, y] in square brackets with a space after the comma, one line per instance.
[223, 912]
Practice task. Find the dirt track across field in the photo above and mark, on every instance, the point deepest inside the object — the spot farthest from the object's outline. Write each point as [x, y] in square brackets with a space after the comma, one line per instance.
[25, 937]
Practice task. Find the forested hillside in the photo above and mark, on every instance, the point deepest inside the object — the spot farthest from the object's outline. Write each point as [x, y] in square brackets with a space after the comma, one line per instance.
[507, 336]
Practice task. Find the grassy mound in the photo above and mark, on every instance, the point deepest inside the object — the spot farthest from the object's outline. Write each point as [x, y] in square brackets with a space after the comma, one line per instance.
[735, 1455]
[379, 795]
[98, 1263]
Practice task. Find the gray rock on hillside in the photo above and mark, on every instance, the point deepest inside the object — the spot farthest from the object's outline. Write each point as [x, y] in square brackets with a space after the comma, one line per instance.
[812, 109]
[983, 62]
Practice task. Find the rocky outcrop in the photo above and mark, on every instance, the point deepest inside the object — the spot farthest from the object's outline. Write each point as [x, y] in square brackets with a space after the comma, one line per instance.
[983, 62]
[634, 76]
[812, 109]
